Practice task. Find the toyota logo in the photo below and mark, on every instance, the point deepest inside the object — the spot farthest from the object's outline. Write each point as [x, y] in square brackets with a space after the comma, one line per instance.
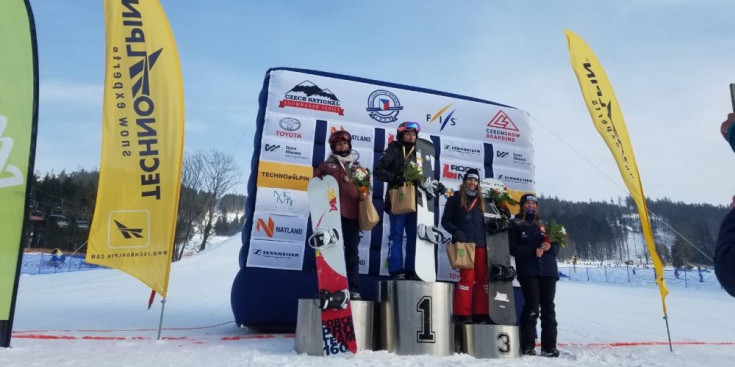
[289, 124]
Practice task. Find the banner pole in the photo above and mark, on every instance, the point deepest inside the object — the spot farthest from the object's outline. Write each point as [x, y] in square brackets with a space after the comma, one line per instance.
[732, 95]
[160, 322]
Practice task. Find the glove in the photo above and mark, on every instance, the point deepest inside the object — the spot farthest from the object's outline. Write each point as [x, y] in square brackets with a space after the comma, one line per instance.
[440, 189]
[430, 185]
[459, 237]
[398, 181]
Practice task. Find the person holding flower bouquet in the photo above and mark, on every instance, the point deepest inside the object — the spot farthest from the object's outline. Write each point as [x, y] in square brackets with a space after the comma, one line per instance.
[396, 167]
[537, 272]
[464, 219]
[354, 186]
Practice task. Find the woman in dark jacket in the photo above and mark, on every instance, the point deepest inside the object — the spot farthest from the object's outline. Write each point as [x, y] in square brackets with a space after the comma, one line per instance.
[537, 272]
[463, 219]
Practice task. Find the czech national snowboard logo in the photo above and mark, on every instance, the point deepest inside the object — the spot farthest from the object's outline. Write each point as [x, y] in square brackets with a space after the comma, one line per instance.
[383, 106]
[309, 96]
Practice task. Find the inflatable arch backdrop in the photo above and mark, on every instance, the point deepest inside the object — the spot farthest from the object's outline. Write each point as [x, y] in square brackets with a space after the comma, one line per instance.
[298, 110]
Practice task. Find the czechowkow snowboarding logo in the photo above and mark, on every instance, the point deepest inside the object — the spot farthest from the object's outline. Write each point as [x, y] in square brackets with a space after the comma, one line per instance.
[309, 96]
[383, 106]
[6, 146]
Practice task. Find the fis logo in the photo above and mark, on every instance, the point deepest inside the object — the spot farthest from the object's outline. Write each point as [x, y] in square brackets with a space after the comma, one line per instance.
[443, 120]
[128, 228]
[272, 147]
[267, 228]
[6, 146]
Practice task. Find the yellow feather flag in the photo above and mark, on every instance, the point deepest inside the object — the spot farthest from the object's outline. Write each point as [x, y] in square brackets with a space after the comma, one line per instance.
[608, 119]
[142, 145]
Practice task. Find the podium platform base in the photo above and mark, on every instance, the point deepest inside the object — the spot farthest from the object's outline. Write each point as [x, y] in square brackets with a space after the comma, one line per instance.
[491, 341]
[308, 337]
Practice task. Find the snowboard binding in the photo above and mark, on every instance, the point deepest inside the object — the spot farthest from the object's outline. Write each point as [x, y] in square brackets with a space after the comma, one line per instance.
[502, 272]
[430, 233]
[323, 238]
[337, 300]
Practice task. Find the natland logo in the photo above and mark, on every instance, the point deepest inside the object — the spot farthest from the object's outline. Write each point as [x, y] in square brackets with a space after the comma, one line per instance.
[6, 146]
[455, 171]
[309, 96]
[271, 230]
[356, 137]
[444, 116]
[383, 106]
[502, 128]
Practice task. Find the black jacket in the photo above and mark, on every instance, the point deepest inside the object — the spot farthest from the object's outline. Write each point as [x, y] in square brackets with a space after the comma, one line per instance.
[525, 238]
[725, 254]
[389, 167]
[463, 229]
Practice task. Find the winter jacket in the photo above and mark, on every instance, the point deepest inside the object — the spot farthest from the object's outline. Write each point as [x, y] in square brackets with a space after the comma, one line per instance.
[348, 194]
[455, 221]
[725, 254]
[389, 167]
[525, 238]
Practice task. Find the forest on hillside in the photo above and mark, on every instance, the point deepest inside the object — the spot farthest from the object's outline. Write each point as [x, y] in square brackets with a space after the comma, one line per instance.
[62, 205]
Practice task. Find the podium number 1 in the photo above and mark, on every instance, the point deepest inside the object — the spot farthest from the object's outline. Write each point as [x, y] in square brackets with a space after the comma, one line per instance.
[426, 334]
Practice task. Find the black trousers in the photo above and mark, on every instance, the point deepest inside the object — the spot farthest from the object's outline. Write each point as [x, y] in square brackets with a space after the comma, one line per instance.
[539, 293]
[351, 239]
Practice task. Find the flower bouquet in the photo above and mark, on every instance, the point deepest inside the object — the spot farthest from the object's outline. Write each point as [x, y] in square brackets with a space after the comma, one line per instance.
[557, 233]
[413, 172]
[361, 177]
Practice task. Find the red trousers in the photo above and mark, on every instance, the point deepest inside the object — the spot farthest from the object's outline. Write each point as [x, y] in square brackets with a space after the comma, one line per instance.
[470, 293]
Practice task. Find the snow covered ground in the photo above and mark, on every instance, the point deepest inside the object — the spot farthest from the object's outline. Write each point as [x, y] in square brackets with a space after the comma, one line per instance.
[99, 318]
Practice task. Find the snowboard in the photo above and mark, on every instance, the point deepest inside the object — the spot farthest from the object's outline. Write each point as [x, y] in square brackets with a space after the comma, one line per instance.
[338, 333]
[427, 234]
[500, 271]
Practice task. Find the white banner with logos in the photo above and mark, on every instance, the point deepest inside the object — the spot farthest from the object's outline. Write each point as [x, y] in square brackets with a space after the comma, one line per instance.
[300, 101]
[282, 202]
[275, 255]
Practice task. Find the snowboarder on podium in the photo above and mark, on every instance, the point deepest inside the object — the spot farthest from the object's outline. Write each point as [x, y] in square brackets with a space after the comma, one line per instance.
[464, 219]
[389, 169]
[537, 271]
[339, 166]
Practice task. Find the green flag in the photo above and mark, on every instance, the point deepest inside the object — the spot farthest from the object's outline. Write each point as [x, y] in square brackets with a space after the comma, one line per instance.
[18, 111]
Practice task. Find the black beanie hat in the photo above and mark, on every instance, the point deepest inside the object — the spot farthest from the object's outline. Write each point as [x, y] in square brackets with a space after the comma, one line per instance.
[472, 173]
[527, 197]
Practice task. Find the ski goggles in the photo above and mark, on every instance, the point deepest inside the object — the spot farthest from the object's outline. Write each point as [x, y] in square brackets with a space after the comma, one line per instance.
[410, 125]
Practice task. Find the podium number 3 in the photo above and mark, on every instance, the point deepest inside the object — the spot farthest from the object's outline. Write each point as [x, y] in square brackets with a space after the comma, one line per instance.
[425, 334]
[504, 346]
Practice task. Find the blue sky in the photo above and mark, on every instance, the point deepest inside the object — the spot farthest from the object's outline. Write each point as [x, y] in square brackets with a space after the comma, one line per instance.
[670, 63]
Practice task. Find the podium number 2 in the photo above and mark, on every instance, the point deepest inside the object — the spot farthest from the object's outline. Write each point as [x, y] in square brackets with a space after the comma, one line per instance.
[425, 335]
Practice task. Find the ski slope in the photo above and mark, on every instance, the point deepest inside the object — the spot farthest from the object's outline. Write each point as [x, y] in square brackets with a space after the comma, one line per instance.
[99, 318]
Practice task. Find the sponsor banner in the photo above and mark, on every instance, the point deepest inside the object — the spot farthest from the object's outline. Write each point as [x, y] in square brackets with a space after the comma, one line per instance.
[362, 136]
[511, 157]
[289, 127]
[455, 169]
[286, 176]
[286, 151]
[363, 155]
[462, 149]
[275, 255]
[362, 103]
[18, 120]
[279, 228]
[516, 180]
[282, 201]
[142, 145]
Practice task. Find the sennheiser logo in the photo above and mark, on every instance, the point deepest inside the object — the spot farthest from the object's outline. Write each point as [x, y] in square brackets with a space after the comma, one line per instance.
[128, 229]
[129, 233]
[6, 146]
